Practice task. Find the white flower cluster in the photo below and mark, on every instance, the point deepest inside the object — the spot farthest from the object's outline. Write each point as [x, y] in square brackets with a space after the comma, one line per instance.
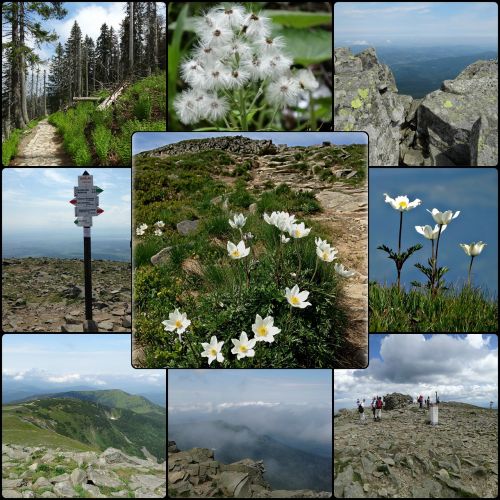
[158, 231]
[235, 49]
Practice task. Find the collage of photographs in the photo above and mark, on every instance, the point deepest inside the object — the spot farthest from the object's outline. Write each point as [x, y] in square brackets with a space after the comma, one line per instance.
[266, 229]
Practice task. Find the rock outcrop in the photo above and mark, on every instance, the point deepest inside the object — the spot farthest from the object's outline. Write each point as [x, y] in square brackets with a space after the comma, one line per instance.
[396, 400]
[403, 457]
[38, 472]
[196, 473]
[234, 144]
[456, 125]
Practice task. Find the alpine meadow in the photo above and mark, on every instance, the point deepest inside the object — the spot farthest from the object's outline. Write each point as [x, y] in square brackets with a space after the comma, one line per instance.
[78, 79]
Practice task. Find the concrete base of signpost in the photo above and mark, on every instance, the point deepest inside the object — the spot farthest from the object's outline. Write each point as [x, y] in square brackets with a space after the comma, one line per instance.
[90, 325]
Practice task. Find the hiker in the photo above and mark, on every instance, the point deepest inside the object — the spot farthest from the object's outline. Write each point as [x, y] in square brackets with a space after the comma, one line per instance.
[421, 401]
[378, 408]
[428, 402]
[361, 410]
[374, 402]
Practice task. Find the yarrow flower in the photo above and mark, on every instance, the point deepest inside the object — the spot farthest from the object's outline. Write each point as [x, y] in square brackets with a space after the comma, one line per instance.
[243, 347]
[237, 251]
[238, 221]
[402, 203]
[264, 329]
[296, 298]
[212, 350]
[236, 50]
[141, 230]
[177, 321]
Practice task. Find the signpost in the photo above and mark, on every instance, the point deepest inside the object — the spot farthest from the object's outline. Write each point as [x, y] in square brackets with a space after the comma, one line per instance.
[86, 204]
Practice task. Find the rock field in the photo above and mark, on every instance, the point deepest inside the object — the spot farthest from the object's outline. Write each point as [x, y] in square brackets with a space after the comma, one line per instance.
[47, 295]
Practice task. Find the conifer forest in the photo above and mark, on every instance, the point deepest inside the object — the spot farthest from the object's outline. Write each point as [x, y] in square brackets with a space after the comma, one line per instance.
[69, 98]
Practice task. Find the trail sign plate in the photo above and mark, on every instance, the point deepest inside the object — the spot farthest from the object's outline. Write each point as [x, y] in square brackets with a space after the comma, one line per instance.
[84, 221]
[85, 211]
[85, 181]
[87, 202]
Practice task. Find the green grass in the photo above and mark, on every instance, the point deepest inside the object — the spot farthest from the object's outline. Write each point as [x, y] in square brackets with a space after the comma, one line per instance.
[9, 146]
[465, 310]
[213, 290]
[356, 161]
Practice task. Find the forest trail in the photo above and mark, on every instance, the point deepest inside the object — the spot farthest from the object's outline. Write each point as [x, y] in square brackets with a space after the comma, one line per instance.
[41, 147]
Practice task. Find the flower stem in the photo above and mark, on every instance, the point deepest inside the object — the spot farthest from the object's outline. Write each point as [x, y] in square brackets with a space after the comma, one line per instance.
[315, 269]
[191, 347]
[400, 230]
[470, 266]
[273, 117]
[436, 281]
[243, 110]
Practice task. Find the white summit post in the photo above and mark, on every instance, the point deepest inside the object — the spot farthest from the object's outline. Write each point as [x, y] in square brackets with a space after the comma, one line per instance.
[434, 413]
[86, 204]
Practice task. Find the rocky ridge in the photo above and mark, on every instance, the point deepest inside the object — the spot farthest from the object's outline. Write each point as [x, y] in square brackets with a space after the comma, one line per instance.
[455, 125]
[402, 456]
[196, 473]
[47, 295]
[39, 472]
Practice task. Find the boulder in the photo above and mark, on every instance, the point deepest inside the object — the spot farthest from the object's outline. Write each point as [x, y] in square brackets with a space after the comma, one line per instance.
[161, 257]
[236, 484]
[60, 478]
[92, 490]
[186, 227]
[11, 494]
[396, 400]
[78, 476]
[148, 480]
[65, 490]
[42, 482]
[104, 478]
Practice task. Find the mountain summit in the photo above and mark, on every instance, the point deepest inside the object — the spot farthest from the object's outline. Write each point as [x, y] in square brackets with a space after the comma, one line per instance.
[456, 125]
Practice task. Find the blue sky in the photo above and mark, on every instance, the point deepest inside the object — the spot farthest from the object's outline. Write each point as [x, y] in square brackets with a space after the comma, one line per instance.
[103, 361]
[415, 23]
[207, 388]
[145, 141]
[459, 367]
[36, 201]
[90, 16]
[472, 191]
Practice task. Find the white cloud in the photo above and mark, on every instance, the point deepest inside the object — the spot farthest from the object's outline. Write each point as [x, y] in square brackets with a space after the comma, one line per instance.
[224, 406]
[400, 9]
[359, 42]
[70, 377]
[55, 176]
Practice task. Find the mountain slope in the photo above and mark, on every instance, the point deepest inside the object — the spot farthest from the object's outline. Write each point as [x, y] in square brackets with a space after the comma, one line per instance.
[92, 424]
[286, 467]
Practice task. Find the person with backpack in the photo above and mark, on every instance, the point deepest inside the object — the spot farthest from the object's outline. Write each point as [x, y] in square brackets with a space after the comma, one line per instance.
[428, 402]
[361, 410]
[374, 401]
[421, 401]
[378, 408]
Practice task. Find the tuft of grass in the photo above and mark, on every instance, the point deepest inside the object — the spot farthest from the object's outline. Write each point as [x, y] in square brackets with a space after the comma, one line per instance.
[142, 108]
[284, 198]
[9, 147]
[102, 140]
[465, 310]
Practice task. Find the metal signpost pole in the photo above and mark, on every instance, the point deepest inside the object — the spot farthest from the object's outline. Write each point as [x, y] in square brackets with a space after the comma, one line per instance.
[87, 263]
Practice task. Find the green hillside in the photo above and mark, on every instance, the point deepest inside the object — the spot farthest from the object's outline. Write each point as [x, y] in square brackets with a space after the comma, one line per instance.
[103, 137]
[87, 424]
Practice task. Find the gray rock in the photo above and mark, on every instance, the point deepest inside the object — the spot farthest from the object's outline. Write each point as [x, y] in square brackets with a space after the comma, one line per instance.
[28, 494]
[73, 328]
[12, 483]
[78, 476]
[252, 208]
[59, 479]
[105, 325]
[104, 478]
[148, 480]
[74, 292]
[236, 484]
[11, 494]
[186, 227]
[127, 322]
[161, 257]
[42, 482]
[145, 493]
[92, 490]
[121, 493]
[48, 494]
[64, 490]
[354, 490]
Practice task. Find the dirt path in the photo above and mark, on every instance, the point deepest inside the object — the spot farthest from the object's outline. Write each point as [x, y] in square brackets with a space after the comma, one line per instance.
[345, 213]
[41, 147]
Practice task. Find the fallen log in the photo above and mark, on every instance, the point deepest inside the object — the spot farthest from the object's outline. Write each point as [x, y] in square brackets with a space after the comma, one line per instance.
[86, 98]
[112, 98]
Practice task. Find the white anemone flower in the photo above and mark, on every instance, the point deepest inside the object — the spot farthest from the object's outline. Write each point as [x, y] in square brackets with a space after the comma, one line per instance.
[297, 298]
[322, 244]
[443, 218]
[213, 350]
[238, 221]
[326, 254]
[264, 329]
[243, 347]
[284, 239]
[237, 251]
[141, 230]
[306, 79]
[342, 271]
[177, 321]
[402, 203]
[283, 92]
[158, 232]
[473, 249]
[298, 230]
[281, 220]
[428, 232]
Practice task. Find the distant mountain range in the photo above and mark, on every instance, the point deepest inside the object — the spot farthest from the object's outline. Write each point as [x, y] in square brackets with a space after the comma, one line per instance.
[286, 466]
[87, 420]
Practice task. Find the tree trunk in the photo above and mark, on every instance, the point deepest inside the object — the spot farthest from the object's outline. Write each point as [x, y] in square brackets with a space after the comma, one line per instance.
[131, 38]
[32, 91]
[44, 94]
[79, 66]
[15, 73]
[37, 105]
[22, 69]
[155, 34]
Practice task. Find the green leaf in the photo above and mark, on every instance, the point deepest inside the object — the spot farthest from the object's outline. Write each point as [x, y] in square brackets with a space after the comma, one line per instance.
[297, 19]
[308, 47]
[175, 54]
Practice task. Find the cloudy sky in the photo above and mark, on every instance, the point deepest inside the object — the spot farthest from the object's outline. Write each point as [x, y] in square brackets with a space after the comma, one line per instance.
[415, 23]
[459, 367]
[472, 191]
[36, 200]
[59, 360]
[151, 140]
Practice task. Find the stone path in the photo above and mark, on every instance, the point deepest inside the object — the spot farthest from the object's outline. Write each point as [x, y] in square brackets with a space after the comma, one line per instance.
[41, 147]
[345, 213]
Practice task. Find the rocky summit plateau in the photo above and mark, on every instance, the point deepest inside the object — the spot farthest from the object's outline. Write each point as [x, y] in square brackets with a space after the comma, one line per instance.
[47, 295]
[195, 473]
[403, 456]
[40, 472]
[456, 125]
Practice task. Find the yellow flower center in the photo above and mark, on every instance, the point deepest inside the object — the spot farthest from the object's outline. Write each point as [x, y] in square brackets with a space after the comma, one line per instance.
[213, 351]
[243, 348]
[403, 204]
[236, 253]
[178, 324]
[325, 255]
[297, 233]
[262, 331]
[295, 300]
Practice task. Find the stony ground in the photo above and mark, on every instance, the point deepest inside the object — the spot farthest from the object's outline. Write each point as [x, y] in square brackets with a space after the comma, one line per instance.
[42, 147]
[47, 295]
[195, 473]
[38, 472]
[403, 457]
[345, 213]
